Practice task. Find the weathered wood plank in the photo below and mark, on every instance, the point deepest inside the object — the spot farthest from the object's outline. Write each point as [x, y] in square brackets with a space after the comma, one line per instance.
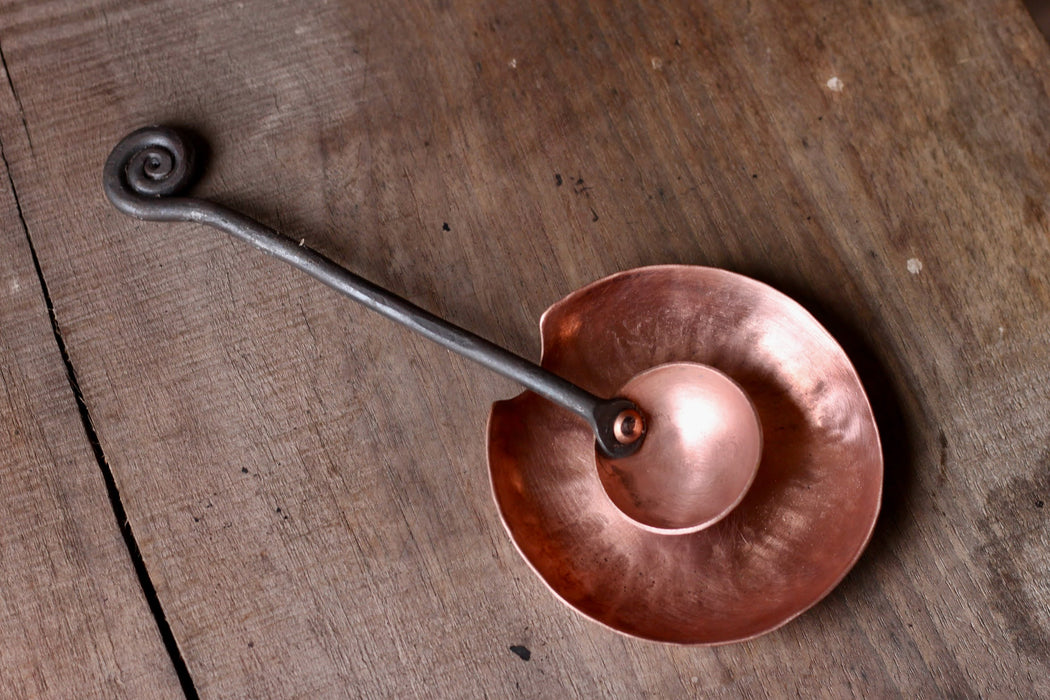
[73, 618]
[307, 481]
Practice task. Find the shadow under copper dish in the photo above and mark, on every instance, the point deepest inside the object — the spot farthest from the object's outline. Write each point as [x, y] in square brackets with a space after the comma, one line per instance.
[801, 526]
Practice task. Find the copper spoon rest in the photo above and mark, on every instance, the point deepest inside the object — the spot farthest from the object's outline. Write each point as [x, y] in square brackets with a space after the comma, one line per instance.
[802, 524]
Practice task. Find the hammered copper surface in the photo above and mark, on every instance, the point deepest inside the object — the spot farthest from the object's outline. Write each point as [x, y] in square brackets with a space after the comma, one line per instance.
[701, 451]
[802, 524]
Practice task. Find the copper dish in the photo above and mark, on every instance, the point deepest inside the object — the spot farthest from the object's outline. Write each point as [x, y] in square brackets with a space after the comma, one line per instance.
[800, 528]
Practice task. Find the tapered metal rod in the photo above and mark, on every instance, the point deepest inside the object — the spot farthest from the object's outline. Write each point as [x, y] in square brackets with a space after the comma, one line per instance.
[149, 169]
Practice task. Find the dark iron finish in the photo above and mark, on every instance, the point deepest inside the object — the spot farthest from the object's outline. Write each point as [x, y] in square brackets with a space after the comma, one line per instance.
[149, 168]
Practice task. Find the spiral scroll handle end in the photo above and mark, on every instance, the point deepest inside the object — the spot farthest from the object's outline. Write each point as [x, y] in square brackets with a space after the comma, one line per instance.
[146, 172]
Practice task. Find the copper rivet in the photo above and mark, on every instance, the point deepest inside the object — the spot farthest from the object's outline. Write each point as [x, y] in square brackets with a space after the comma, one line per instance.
[628, 427]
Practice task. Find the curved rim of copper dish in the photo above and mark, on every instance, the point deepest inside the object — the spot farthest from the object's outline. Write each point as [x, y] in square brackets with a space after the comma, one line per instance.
[768, 291]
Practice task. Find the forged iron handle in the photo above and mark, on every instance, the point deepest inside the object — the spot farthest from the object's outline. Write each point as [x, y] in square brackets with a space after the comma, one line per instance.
[148, 171]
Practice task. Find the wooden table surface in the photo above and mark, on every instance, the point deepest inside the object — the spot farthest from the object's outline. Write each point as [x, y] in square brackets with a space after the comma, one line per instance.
[219, 478]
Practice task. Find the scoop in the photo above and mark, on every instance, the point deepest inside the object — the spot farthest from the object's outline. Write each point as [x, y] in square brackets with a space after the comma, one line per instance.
[675, 449]
[703, 447]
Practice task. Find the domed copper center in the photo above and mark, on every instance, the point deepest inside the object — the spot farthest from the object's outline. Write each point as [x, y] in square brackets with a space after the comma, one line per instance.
[703, 444]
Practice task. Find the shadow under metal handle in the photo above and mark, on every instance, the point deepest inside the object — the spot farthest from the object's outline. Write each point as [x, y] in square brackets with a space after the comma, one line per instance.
[149, 169]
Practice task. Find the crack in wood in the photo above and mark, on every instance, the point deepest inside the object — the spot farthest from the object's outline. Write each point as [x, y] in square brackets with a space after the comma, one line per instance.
[145, 582]
[21, 110]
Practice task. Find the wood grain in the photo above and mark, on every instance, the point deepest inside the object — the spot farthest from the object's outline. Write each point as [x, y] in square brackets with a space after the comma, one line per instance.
[307, 482]
[73, 618]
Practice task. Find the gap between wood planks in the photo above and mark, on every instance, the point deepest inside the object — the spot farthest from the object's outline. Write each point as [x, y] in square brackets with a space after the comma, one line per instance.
[148, 589]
